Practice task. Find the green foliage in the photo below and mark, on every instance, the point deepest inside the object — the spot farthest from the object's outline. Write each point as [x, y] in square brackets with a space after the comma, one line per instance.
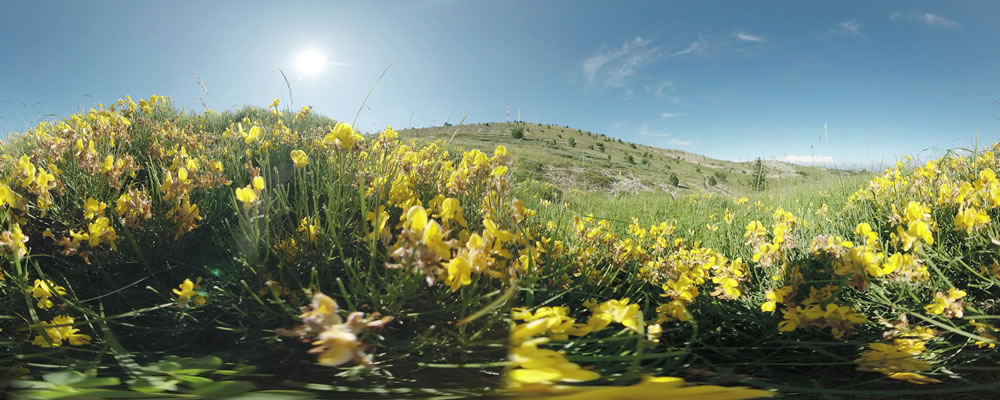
[572, 142]
[517, 132]
[674, 180]
[758, 179]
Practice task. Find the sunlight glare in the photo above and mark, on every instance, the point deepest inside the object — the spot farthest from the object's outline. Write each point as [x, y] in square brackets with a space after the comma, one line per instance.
[309, 62]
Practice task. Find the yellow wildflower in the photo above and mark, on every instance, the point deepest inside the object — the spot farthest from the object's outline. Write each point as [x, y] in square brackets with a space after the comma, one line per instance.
[188, 293]
[299, 158]
[43, 290]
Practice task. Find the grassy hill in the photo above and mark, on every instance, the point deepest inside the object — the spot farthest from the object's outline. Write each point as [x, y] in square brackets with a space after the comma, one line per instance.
[574, 158]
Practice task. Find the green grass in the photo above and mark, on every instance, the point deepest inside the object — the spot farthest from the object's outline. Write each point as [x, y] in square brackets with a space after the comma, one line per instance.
[445, 342]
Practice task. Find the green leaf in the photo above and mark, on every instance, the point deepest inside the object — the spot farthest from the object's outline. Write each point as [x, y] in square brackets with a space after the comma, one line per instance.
[19, 384]
[194, 381]
[278, 395]
[97, 382]
[207, 362]
[67, 377]
[114, 394]
[164, 366]
[152, 385]
[224, 389]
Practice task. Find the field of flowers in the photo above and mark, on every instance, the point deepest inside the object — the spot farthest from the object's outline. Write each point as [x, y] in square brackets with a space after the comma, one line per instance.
[267, 253]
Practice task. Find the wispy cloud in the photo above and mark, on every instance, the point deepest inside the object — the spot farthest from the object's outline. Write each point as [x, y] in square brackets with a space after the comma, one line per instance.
[812, 160]
[746, 37]
[850, 28]
[679, 142]
[659, 89]
[644, 130]
[929, 19]
[612, 66]
[696, 47]
[673, 115]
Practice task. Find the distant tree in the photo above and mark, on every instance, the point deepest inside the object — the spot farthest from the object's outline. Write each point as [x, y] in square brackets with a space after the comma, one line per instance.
[712, 181]
[629, 159]
[600, 146]
[720, 176]
[447, 124]
[632, 144]
[645, 161]
[572, 142]
[517, 133]
[674, 180]
[757, 178]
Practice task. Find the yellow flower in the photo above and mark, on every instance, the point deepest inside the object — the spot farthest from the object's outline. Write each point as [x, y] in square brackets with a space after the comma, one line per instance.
[252, 135]
[534, 365]
[100, 230]
[299, 158]
[68, 332]
[188, 293]
[433, 238]
[15, 239]
[182, 175]
[947, 304]
[651, 388]
[258, 183]
[896, 360]
[619, 310]
[416, 219]
[916, 212]
[108, 164]
[336, 345]
[774, 297]
[970, 218]
[343, 136]
[247, 196]
[459, 273]
[93, 209]
[42, 290]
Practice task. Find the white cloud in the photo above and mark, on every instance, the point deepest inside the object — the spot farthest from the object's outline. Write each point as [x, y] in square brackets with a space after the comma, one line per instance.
[679, 142]
[746, 37]
[612, 66]
[696, 47]
[797, 159]
[673, 115]
[645, 131]
[852, 27]
[937, 20]
[659, 88]
[929, 19]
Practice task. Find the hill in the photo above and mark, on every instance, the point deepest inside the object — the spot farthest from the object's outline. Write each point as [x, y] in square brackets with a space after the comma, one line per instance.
[574, 158]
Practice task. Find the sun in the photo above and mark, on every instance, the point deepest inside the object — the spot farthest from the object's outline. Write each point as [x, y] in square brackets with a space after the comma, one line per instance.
[310, 62]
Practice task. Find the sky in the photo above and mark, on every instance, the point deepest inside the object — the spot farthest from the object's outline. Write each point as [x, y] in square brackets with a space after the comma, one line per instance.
[842, 84]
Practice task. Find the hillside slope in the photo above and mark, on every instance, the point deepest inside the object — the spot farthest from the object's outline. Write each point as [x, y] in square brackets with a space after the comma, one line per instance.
[573, 158]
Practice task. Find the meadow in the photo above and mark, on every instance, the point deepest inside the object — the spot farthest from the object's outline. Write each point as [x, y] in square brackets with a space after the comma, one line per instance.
[277, 253]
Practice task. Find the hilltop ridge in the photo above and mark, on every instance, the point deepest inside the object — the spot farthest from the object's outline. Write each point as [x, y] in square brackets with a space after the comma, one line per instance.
[576, 159]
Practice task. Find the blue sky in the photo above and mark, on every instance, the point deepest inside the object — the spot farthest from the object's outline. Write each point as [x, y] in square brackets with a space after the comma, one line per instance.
[730, 80]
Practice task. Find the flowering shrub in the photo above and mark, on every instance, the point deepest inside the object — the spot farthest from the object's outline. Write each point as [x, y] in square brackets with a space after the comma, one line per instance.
[255, 228]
